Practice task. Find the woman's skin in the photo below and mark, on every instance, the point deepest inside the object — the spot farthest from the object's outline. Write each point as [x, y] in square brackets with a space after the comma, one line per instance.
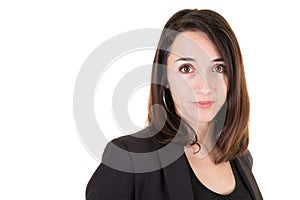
[198, 85]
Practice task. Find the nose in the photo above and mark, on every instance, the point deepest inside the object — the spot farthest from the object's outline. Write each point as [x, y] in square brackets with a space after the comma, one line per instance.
[200, 84]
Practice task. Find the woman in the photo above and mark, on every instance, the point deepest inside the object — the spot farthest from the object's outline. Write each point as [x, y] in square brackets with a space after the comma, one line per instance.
[195, 143]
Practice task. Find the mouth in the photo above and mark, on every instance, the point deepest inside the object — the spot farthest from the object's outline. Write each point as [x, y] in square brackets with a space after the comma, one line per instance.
[203, 104]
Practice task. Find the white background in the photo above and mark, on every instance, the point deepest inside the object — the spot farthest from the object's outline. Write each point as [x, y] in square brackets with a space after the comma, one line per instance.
[43, 45]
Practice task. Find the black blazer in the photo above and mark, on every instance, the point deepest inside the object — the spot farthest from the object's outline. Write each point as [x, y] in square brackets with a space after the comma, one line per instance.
[171, 182]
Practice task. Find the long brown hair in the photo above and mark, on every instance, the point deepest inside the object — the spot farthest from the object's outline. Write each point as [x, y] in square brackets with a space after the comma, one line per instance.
[234, 137]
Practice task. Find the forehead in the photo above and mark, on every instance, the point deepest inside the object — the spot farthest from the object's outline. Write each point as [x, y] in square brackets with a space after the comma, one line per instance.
[195, 44]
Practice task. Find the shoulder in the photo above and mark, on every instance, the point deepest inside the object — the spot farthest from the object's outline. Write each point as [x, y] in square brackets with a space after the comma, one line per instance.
[246, 159]
[131, 153]
[244, 166]
[139, 142]
[113, 177]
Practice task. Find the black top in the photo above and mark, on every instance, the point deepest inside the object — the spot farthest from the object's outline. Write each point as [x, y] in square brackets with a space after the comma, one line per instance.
[200, 191]
[171, 182]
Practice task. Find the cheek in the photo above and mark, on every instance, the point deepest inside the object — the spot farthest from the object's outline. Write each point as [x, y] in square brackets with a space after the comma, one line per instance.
[219, 85]
[179, 94]
[180, 90]
[179, 86]
[224, 86]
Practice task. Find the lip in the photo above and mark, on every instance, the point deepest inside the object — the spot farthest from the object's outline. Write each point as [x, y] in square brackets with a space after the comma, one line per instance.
[203, 104]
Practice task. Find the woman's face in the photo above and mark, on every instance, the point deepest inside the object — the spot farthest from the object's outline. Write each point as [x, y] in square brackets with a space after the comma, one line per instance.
[196, 77]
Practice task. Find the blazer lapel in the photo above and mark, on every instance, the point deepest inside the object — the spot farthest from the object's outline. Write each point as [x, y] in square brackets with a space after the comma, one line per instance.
[177, 178]
[248, 178]
[176, 172]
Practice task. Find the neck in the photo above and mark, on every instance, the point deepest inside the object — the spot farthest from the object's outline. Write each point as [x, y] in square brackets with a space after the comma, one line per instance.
[202, 130]
[206, 137]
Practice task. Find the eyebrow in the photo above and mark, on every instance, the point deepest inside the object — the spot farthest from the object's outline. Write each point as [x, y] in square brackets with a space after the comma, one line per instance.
[193, 60]
[186, 59]
[218, 60]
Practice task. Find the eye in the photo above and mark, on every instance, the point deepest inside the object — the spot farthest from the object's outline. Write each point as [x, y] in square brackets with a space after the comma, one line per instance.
[219, 68]
[186, 68]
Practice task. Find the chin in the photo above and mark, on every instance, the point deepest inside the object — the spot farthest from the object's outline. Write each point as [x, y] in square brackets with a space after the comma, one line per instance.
[202, 119]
